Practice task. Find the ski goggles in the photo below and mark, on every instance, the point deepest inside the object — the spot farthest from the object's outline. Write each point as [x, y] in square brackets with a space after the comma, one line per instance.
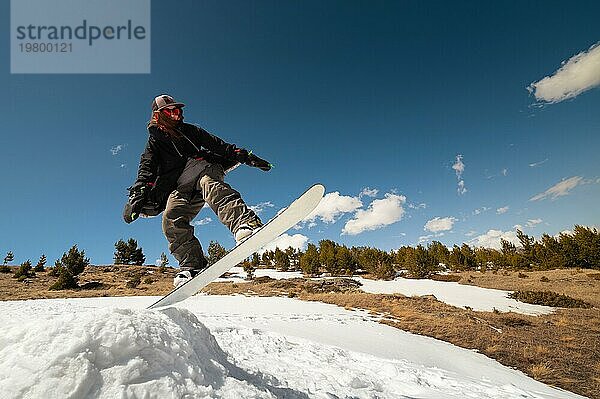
[172, 111]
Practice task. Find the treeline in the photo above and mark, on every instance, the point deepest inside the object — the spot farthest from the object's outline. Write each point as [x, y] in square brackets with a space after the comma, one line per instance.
[581, 249]
[73, 262]
[578, 249]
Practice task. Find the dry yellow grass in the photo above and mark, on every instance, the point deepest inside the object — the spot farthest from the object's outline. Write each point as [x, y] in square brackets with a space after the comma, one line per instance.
[541, 371]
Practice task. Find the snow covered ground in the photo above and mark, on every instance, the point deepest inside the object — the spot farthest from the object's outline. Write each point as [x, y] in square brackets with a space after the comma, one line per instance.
[460, 295]
[234, 347]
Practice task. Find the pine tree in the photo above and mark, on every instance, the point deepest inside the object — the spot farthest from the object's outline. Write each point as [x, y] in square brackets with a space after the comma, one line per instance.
[65, 281]
[421, 263]
[255, 260]
[70, 265]
[164, 261]
[327, 249]
[121, 256]
[136, 255]
[309, 261]
[377, 262]
[439, 252]
[553, 256]
[587, 242]
[24, 271]
[215, 252]
[344, 260]
[40, 267]
[9, 257]
[267, 258]
[462, 258]
[294, 257]
[527, 249]
[282, 262]
[404, 257]
[249, 269]
[128, 253]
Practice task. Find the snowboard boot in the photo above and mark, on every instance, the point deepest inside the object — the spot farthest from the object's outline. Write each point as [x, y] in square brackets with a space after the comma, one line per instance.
[186, 275]
[246, 230]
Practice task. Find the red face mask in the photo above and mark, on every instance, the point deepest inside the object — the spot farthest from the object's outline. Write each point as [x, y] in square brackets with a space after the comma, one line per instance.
[172, 112]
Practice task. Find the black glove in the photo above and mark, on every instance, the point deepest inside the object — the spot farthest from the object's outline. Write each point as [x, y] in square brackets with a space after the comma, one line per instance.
[241, 155]
[260, 163]
[247, 157]
[138, 196]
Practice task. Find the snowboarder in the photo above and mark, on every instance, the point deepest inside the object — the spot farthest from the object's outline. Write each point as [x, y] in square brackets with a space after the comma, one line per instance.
[181, 169]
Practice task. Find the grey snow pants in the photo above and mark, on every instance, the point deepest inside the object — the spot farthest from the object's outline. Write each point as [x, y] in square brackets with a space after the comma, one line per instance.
[200, 183]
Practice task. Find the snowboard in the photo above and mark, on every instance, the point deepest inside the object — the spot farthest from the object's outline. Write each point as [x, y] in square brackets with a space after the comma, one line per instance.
[286, 219]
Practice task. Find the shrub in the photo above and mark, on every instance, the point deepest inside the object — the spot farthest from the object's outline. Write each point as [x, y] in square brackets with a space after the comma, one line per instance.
[128, 253]
[65, 281]
[309, 261]
[9, 257]
[594, 276]
[70, 265]
[40, 267]
[4, 269]
[163, 261]
[24, 271]
[215, 252]
[148, 280]
[134, 282]
[549, 298]
[446, 277]
[249, 269]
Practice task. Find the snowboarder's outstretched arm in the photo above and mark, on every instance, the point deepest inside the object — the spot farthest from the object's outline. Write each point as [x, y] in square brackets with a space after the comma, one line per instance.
[231, 151]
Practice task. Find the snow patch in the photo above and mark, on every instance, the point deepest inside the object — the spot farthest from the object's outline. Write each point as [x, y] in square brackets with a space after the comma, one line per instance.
[119, 353]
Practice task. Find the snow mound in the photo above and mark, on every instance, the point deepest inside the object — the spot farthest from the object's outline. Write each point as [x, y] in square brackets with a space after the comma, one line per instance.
[121, 353]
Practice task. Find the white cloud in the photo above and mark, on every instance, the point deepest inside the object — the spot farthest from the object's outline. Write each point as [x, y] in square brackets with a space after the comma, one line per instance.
[202, 222]
[576, 75]
[492, 238]
[559, 189]
[297, 241]
[368, 192]
[535, 164]
[418, 206]
[428, 237]
[380, 213]
[504, 172]
[459, 168]
[332, 206]
[260, 207]
[471, 233]
[116, 149]
[481, 210]
[502, 210]
[533, 222]
[440, 224]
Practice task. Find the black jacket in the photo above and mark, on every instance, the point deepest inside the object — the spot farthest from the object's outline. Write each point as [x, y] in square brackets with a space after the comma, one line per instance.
[164, 158]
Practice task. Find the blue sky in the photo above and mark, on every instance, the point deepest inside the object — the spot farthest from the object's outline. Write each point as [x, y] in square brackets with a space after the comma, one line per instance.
[389, 104]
